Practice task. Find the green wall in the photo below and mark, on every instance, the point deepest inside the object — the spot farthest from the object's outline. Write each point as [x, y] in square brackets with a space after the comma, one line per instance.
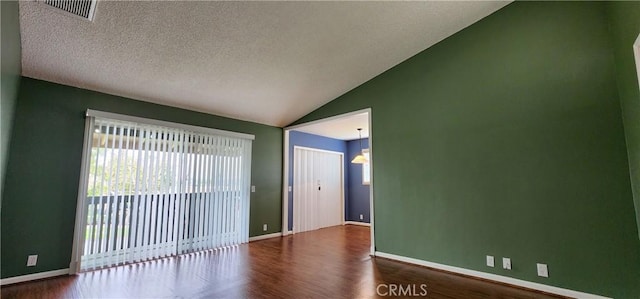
[38, 209]
[625, 27]
[507, 139]
[9, 78]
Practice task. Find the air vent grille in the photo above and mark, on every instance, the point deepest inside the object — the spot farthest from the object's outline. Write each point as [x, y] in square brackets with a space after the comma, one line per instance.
[81, 8]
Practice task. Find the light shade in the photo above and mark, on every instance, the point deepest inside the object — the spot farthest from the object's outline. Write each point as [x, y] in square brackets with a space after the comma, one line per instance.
[359, 159]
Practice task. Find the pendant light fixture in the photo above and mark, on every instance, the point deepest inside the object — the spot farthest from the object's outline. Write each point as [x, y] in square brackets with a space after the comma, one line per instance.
[360, 158]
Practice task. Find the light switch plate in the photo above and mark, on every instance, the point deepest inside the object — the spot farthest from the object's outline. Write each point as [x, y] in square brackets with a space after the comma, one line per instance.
[543, 271]
[506, 263]
[253, 188]
[490, 261]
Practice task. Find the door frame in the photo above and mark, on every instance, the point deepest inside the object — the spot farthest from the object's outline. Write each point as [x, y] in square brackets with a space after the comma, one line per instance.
[342, 176]
[636, 54]
[285, 182]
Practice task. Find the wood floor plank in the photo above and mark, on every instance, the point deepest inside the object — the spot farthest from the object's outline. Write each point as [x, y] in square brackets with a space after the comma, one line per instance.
[326, 263]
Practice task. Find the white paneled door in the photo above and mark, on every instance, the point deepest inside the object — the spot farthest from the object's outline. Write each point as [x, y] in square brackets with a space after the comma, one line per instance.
[317, 189]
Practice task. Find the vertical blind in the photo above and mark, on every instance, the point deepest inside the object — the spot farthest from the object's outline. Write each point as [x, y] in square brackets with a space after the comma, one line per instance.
[154, 191]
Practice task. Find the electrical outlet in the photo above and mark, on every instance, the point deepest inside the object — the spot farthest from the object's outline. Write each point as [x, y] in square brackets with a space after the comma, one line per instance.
[32, 260]
[506, 263]
[253, 188]
[543, 270]
[290, 189]
[361, 217]
[490, 261]
[264, 227]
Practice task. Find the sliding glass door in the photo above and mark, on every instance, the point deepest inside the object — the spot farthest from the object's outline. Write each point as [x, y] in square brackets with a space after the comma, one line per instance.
[152, 191]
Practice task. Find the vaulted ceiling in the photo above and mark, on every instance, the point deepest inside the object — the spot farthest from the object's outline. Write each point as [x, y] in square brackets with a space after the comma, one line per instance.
[266, 62]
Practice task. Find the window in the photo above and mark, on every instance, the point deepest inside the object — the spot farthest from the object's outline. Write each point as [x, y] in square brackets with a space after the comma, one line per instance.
[158, 190]
[366, 172]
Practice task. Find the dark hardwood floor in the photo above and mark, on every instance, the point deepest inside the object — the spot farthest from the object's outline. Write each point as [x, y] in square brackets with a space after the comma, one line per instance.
[327, 263]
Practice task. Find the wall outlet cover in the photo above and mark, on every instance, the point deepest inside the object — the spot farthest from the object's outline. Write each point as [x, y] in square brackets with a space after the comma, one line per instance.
[506, 263]
[543, 270]
[32, 260]
[490, 261]
[264, 227]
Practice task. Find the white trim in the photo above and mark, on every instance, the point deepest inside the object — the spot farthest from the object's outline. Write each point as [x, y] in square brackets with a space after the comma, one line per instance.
[357, 223]
[34, 276]
[80, 225]
[285, 186]
[263, 237]
[92, 10]
[156, 122]
[328, 119]
[636, 53]
[492, 277]
[371, 221]
[313, 149]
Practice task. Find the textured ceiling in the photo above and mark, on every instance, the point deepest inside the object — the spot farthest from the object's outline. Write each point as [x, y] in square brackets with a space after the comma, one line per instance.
[267, 62]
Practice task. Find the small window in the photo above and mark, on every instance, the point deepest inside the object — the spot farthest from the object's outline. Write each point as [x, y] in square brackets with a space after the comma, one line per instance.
[366, 172]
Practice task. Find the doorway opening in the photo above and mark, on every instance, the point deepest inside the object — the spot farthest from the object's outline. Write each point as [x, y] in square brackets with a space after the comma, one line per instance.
[338, 135]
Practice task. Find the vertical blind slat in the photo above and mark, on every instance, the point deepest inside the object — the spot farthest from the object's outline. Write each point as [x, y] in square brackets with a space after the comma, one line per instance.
[198, 195]
[118, 197]
[209, 191]
[216, 194]
[171, 191]
[234, 193]
[144, 204]
[124, 220]
[228, 193]
[153, 177]
[166, 183]
[132, 238]
[223, 200]
[183, 188]
[160, 181]
[92, 213]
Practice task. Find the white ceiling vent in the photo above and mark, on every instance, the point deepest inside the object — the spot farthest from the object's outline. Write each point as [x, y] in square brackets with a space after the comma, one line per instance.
[82, 8]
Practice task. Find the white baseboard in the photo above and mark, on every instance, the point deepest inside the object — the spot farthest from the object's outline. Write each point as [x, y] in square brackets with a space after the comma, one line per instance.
[34, 276]
[493, 277]
[357, 223]
[267, 236]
